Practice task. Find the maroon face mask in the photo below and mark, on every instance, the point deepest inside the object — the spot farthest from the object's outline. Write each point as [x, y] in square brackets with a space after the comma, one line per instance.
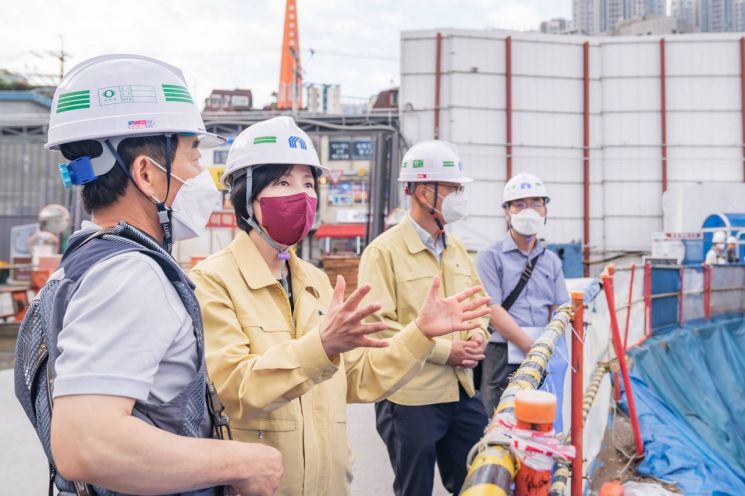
[288, 219]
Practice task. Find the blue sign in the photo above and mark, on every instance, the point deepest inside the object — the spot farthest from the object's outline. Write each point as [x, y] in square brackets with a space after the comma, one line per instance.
[362, 150]
[339, 150]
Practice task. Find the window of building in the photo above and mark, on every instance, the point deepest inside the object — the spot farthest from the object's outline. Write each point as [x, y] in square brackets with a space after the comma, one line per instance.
[240, 101]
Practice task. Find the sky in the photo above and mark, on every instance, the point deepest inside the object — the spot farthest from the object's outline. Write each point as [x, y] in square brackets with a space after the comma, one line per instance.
[230, 44]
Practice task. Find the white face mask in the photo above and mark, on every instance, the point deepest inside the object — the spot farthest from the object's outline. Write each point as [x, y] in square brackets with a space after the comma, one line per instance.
[454, 207]
[193, 205]
[527, 222]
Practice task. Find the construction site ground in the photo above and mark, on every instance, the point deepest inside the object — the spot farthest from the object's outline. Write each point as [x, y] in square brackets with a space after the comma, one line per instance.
[616, 460]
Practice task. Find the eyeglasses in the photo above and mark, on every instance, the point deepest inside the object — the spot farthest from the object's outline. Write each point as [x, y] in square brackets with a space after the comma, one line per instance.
[523, 204]
[458, 188]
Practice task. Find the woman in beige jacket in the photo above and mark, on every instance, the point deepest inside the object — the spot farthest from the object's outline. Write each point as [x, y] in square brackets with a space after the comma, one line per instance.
[277, 333]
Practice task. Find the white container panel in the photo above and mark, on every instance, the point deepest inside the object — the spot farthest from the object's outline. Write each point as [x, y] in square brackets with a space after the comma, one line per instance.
[484, 198]
[446, 124]
[597, 235]
[486, 55]
[630, 233]
[624, 59]
[596, 131]
[704, 165]
[417, 92]
[566, 200]
[478, 126]
[689, 56]
[632, 199]
[704, 128]
[710, 93]
[641, 164]
[485, 91]
[559, 130]
[637, 128]
[596, 97]
[631, 95]
[551, 165]
[484, 163]
[687, 206]
[562, 230]
[548, 95]
[418, 55]
[547, 59]
[417, 125]
[479, 231]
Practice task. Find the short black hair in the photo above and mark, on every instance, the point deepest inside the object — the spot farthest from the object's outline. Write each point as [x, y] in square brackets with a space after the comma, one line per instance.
[263, 176]
[109, 187]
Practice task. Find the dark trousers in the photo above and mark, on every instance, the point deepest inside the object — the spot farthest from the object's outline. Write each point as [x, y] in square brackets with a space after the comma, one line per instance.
[417, 437]
[495, 375]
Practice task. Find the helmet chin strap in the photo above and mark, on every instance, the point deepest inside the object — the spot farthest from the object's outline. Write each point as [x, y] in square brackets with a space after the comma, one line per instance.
[433, 213]
[164, 213]
[283, 253]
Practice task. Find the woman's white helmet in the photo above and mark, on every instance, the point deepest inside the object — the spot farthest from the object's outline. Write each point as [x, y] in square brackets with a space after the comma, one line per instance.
[432, 161]
[123, 96]
[274, 141]
[524, 185]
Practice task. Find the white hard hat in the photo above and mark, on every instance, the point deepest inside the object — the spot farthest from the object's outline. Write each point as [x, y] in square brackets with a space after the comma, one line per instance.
[274, 141]
[54, 218]
[731, 240]
[432, 161]
[524, 185]
[719, 237]
[123, 96]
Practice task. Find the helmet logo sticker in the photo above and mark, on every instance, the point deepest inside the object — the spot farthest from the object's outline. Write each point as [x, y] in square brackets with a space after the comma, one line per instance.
[74, 100]
[141, 124]
[448, 163]
[260, 140]
[176, 93]
[126, 94]
[403, 164]
[421, 176]
[417, 164]
[294, 141]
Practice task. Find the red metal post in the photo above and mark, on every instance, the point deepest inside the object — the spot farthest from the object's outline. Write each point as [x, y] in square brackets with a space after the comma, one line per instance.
[578, 388]
[607, 278]
[681, 296]
[663, 114]
[508, 103]
[707, 292]
[648, 299]
[742, 101]
[438, 59]
[586, 153]
[628, 308]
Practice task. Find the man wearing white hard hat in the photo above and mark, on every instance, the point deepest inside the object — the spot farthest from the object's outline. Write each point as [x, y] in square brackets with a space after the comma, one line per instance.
[525, 282]
[717, 254]
[285, 349]
[114, 339]
[732, 255]
[438, 416]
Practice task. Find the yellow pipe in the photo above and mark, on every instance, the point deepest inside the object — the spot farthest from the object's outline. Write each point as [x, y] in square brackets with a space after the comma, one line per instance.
[490, 473]
[493, 468]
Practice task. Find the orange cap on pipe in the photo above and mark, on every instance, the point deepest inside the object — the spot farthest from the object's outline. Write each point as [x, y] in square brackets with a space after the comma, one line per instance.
[535, 407]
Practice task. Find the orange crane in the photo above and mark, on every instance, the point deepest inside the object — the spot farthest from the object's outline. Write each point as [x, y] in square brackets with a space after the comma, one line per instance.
[290, 95]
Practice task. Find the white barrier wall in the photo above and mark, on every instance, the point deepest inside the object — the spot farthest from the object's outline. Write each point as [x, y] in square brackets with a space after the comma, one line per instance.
[704, 132]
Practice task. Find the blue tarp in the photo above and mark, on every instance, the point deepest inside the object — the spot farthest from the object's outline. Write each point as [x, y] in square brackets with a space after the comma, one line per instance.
[689, 387]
